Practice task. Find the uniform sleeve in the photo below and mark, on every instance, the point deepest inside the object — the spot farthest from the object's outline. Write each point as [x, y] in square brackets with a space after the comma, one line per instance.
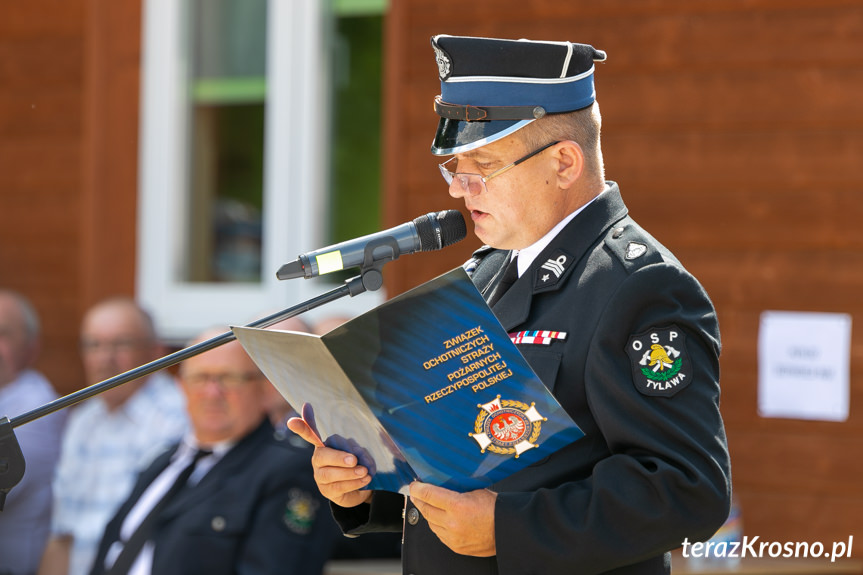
[667, 476]
[382, 515]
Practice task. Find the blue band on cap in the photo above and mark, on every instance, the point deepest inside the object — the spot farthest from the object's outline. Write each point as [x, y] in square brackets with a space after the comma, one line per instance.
[554, 96]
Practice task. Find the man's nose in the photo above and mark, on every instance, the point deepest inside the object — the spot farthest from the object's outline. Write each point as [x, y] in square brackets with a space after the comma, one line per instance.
[456, 190]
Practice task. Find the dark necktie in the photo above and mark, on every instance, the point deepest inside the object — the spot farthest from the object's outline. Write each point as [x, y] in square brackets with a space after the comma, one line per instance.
[133, 546]
[510, 274]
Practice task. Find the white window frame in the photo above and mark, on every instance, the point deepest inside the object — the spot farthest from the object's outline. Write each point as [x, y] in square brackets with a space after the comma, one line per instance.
[295, 179]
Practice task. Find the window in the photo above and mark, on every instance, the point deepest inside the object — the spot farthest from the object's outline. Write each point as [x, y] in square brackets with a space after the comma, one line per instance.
[227, 87]
[236, 155]
[355, 186]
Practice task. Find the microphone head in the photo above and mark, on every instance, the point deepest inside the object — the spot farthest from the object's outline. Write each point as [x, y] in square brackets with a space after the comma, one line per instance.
[440, 229]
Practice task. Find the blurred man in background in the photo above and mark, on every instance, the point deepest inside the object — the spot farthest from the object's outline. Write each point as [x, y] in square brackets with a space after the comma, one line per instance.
[111, 437]
[230, 497]
[26, 517]
[372, 545]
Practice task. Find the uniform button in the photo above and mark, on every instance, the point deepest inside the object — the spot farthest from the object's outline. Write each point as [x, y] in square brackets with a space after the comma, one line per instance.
[413, 516]
[617, 233]
[218, 523]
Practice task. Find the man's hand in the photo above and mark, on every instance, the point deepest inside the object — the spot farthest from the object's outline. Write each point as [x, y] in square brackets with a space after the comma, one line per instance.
[337, 473]
[464, 522]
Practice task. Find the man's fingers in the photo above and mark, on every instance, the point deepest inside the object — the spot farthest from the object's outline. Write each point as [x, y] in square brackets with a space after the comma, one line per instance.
[337, 473]
[464, 522]
[432, 502]
[329, 457]
[342, 484]
[431, 494]
[433, 515]
[339, 489]
[328, 474]
[301, 428]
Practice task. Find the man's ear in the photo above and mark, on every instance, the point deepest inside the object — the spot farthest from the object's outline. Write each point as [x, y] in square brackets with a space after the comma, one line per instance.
[570, 166]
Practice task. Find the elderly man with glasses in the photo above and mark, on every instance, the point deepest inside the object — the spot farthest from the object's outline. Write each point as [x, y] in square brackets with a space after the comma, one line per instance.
[231, 497]
[633, 354]
[110, 438]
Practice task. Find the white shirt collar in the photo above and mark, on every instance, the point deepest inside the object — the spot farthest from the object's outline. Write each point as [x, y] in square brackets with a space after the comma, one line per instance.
[190, 445]
[530, 253]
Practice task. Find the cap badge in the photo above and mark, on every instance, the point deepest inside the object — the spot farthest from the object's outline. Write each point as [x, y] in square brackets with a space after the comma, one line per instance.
[444, 64]
[660, 364]
[507, 427]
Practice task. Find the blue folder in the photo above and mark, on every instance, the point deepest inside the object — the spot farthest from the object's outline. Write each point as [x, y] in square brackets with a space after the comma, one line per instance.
[427, 386]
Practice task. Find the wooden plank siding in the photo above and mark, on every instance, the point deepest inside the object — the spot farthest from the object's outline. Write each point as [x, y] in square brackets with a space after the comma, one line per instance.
[41, 79]
[69, 76]
[735, 130]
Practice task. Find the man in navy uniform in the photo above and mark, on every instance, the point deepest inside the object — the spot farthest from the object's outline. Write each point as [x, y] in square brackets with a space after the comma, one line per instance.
[625, 338]
[231, 497]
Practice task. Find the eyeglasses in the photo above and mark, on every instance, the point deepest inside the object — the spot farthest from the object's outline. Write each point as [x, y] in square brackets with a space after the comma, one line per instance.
[474, 184]
[226, 381]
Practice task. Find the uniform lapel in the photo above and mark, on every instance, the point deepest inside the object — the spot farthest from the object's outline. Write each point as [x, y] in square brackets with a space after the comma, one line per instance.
[230, 464]
[513, 307]
[152, 471]
[144, 480]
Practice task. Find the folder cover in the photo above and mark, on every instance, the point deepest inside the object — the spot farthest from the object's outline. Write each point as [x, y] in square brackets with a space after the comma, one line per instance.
[427, 386]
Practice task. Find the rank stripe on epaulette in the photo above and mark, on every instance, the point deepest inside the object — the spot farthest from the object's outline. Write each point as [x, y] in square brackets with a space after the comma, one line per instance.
[541, 337]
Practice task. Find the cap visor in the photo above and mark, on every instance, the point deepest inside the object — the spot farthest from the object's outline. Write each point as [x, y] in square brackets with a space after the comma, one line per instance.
[457, 136]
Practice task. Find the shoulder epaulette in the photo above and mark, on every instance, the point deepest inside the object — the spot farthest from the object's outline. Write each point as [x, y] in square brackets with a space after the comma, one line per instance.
[632, 246]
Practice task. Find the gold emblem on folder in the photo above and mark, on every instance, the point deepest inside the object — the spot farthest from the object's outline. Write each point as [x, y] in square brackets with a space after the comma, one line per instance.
[507, 426]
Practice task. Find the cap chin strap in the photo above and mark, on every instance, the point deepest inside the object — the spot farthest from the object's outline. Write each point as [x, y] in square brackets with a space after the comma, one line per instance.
[468, 113]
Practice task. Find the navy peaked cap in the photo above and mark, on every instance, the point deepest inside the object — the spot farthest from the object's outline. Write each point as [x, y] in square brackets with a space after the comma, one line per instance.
[492, 87]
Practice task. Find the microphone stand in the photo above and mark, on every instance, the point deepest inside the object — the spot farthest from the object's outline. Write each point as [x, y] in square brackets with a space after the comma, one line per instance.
[12, 459]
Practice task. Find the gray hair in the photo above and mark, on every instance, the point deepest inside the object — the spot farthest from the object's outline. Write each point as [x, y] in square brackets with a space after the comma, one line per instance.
[28, 313]
[581, 126]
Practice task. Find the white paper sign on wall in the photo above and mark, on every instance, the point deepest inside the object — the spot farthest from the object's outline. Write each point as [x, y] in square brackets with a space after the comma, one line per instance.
[803, 365]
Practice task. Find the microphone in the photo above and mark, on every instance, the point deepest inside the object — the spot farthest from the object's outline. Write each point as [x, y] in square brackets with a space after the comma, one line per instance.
[424, 234]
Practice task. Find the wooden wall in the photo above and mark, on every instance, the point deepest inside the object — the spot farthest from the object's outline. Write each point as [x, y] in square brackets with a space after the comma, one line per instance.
[69, 74]
[735, 130]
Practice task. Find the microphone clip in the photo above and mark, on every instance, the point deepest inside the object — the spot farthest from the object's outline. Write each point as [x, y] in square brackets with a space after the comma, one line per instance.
[371, 270]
